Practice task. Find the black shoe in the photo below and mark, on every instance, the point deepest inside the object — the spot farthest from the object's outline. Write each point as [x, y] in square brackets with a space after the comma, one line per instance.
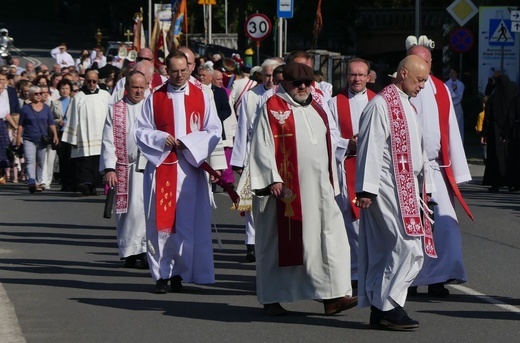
[32, 188]
[438, 290]
[397, 319]
[142, 261]
[84, 189]
[130, 261]
[161, 286]
[176, 284]
[412, 291]
[493, 189]
[375, 316]
[250, 254]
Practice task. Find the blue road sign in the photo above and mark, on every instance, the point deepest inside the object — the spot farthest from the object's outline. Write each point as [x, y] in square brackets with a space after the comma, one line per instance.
[461, 40]
[500, 32]
[284, 8]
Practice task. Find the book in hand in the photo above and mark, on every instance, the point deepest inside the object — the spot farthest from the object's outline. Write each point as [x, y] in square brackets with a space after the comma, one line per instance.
[109, 203]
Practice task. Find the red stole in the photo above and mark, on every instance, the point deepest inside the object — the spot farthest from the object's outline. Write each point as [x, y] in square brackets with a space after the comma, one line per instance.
[156, 80]
[122, 168]
[166, 173]
[443, 106]
[347, 132]
[403, 171]
[289, 208]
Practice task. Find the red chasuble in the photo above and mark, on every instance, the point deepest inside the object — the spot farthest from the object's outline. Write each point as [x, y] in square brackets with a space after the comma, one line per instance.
[166, 173]
[289, 208]
[443, 106]
[404, 174]
[347, 132]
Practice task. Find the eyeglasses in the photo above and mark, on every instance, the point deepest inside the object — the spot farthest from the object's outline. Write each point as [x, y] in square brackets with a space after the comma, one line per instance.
[143, 58]
[298, 83]
[179, 71]
[91, 81]
[37, 93]
[357, 75]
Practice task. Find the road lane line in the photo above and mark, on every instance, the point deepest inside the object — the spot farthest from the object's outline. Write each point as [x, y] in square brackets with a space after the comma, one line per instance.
[486, 298]
[33, 60]
[9, 328]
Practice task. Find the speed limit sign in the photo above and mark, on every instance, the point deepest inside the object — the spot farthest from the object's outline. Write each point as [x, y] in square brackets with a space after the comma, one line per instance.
[258, 26]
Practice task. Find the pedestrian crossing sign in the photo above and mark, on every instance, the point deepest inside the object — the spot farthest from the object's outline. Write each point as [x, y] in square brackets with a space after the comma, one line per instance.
[500, 32]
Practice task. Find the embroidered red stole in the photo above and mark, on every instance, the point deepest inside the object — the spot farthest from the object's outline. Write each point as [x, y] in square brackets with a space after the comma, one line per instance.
[443, 106]
[403, 172]
[289, 208]
[122, 168]
[347, 132]
[166, 173]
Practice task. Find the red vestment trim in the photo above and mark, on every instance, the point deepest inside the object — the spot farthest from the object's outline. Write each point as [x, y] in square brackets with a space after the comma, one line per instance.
[122, 168]
[403, 171]
[347, 132]
[289, 208]
[443, 106]
[156, 80]
[166, 173]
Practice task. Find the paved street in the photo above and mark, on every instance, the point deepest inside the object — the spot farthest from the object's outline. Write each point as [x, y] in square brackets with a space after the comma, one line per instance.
[63, 279]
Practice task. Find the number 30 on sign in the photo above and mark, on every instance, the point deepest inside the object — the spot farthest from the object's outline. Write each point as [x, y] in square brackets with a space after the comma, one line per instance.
[258, 26]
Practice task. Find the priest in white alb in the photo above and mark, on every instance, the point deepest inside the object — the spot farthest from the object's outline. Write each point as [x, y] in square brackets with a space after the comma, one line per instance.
[119, 163]
[177, 131]
[391, 190]
[302, 249]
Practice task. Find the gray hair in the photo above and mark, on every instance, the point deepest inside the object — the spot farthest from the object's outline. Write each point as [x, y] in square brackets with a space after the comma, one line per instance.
[270, 62]
[34, 89]
[207, 67]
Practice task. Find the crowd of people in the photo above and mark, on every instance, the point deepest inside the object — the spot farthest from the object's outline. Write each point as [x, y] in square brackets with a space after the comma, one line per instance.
[340, 191]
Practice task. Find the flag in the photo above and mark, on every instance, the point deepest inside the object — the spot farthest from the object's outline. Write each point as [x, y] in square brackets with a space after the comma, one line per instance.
[180, 19]
[318, 25]
[139, 39]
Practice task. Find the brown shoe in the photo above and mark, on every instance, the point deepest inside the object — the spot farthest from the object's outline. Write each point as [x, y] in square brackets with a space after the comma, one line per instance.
[275, 310]
[337, 305]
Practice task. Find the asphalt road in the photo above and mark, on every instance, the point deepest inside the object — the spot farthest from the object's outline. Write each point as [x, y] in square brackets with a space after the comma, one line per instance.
[60, 270]
[61, 280]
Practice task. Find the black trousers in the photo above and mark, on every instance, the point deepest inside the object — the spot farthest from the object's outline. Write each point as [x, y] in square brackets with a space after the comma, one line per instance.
[86, 170]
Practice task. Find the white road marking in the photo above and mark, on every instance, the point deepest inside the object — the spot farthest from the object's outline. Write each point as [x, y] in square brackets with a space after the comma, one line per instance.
[9, 328]
[486, 298]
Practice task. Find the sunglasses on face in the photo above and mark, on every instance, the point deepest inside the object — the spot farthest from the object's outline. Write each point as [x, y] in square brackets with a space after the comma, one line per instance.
[37, 93]
[298, 83]
[143, 58]
[75, 90]
[91, 81]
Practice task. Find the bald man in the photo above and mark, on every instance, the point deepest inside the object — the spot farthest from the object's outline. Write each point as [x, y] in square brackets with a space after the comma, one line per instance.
[119, 162]
[388, 193]
[448, 167]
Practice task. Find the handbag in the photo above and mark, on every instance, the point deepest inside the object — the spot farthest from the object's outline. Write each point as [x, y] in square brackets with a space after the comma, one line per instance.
[45, 139]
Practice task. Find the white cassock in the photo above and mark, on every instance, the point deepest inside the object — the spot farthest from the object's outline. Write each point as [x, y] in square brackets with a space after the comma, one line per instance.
[189, 251]
[456, 90]
[84, 127]
[389, 259]
[241, 149]
[325, 273]
[449, 264]
[358, 102]
[130, 226]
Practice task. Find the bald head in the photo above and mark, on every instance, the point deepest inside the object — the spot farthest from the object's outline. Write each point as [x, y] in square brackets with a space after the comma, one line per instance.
[412, 74]
[146, 68]
[190, 56]
[145, 54]
[422, 52]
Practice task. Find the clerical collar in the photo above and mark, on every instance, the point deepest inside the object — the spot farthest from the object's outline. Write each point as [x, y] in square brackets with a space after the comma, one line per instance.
[87, 91]
[179, 89]
[360, 93]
